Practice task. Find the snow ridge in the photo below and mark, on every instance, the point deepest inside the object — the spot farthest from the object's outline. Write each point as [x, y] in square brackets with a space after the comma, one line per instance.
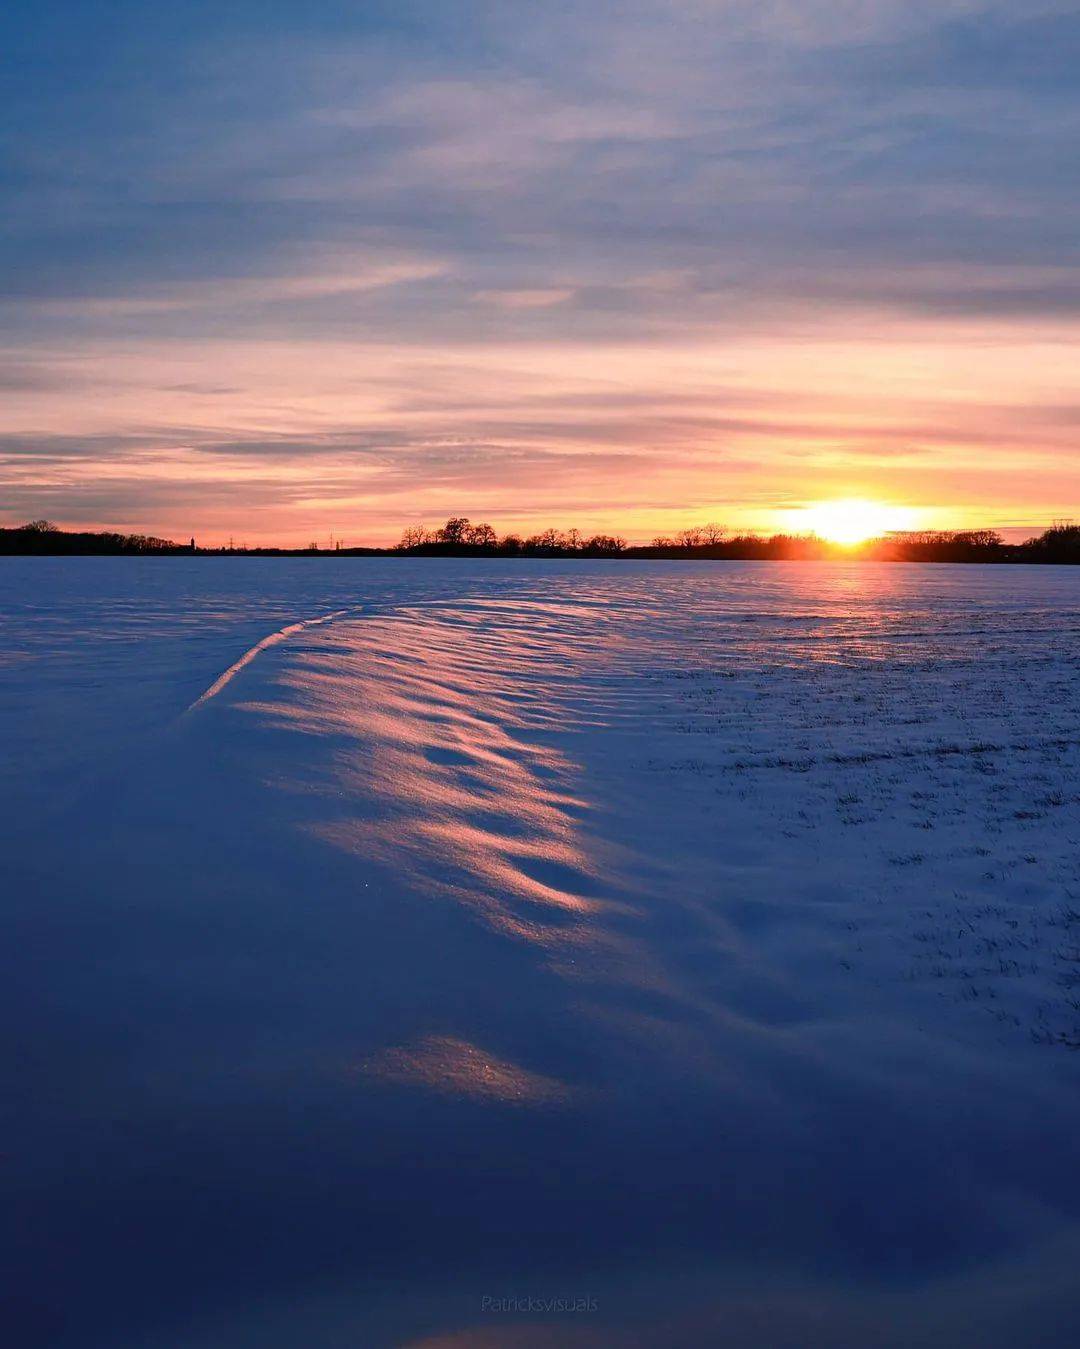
[273, 639]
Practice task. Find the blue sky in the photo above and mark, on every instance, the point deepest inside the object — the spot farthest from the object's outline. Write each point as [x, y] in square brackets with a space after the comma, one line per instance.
[276, 269]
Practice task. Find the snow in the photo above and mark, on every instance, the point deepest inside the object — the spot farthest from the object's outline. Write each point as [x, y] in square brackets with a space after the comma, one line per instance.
[699, 941]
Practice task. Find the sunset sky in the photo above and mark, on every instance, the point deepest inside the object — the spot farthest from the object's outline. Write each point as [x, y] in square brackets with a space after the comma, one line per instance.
[275, 270]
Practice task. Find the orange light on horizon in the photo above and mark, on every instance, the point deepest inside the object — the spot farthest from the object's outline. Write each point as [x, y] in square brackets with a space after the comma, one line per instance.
[852, 520]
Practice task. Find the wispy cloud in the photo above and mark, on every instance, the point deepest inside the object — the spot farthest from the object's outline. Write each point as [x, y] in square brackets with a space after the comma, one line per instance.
[722, 249]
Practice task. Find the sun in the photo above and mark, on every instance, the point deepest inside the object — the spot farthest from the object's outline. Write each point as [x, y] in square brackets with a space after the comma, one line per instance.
[853, 520]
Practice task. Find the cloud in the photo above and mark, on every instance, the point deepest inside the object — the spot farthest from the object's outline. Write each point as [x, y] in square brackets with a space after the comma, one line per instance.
[524, 299]
[682, 232]
[232, 294]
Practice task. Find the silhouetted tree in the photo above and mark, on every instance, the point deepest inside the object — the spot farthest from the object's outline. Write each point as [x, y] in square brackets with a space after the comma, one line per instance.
[414, 536]
[456, 531]
[481, 536]
[605, 543]
[1058, 544]
[550, 541]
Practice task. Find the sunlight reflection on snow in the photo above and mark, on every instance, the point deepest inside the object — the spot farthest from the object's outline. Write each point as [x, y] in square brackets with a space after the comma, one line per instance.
[445, 1064]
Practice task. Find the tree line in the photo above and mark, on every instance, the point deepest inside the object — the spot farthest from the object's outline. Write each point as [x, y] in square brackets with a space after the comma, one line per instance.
[43, 537]
[460, 537]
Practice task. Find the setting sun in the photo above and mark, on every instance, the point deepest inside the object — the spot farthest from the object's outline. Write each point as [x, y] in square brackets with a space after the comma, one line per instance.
[852, 520]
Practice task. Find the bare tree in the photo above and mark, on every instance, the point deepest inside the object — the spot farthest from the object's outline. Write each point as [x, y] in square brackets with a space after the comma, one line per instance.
[456, 530]
[605, 543]
[414, 537]
[481, 536]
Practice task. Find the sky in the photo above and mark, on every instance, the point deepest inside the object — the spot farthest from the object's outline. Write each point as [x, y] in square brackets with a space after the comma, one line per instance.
[280, 271]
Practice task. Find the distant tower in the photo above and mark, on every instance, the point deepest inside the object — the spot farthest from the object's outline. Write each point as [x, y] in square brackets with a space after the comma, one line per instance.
[192, 545]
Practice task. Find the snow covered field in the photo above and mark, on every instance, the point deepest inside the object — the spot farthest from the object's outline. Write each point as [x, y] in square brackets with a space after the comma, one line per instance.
[695, 944]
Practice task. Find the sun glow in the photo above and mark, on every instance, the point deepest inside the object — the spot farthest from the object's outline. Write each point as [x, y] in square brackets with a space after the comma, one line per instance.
[853, 520]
